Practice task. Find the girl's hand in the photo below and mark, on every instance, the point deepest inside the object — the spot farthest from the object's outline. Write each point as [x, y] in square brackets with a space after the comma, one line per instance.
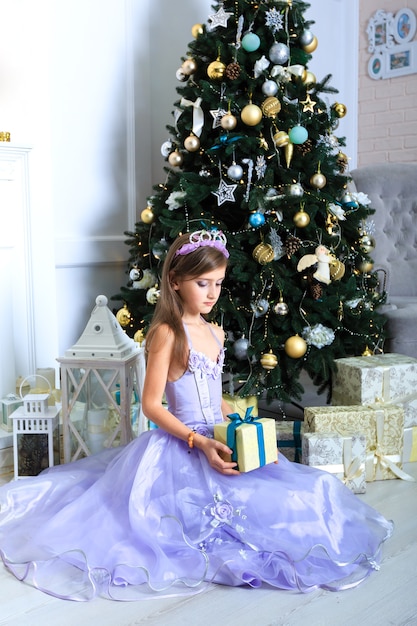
[213, 450]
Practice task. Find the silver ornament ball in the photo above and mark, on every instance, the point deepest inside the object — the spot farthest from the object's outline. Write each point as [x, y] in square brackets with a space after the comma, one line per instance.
[240, 348]
[306, 37]
[166, 148]
[180, 75]
[295, 190]
[279, 53]
[269, 88]
[235, 172]
[281, 308]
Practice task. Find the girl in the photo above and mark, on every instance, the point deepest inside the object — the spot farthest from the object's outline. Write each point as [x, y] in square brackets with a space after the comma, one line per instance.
[165, 512]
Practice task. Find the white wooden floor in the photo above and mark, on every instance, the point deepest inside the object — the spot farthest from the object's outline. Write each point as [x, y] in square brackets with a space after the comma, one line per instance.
[387, 598]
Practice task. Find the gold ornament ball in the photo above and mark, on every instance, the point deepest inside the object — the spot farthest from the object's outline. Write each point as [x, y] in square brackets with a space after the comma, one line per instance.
[175, 158]
[271, 106]
[301, 219]
[197, 30]
[269, 361]
[123, 316]
[365, 267]
[263, 253]
[228, 122]
[215, 70]
[310, 47]
[318, 180]
[251, 115]
[366, 243]
[337, 270]
[281, 139]
[340, 109]
[139, 336]
[147, 216]
[295, 347]
[309, 78]
[367, 352]
[192, 143]
[189, 67]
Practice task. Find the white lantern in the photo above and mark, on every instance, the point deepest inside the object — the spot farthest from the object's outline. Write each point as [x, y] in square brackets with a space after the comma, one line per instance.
[100, 386]
[36, 444]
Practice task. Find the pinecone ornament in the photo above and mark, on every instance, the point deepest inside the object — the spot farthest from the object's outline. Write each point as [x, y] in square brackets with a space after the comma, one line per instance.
[292, 245]
[232, 71]
[316, 290]
[304, 148]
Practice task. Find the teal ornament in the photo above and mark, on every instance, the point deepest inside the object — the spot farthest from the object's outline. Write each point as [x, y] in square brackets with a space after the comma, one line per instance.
[256, 219]
[298, 134]
[348, 201]
[250, 42]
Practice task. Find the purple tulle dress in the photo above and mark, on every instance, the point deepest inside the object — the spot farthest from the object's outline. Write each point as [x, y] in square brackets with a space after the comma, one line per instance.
[153, 519]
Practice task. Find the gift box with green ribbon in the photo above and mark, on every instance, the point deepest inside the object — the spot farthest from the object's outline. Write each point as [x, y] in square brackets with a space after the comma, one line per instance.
[252, 439]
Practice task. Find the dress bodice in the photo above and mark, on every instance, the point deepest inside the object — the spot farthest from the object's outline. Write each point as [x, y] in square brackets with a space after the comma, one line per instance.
[195, 397]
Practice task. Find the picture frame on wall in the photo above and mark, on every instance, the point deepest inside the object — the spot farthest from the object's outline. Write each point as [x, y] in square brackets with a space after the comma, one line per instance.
[401, 60]
[394, 53]
[379, 31]
[376, 66]
[404, 26]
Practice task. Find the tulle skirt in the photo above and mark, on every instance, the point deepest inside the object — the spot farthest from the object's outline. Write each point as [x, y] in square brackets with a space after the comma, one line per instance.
[152, 518]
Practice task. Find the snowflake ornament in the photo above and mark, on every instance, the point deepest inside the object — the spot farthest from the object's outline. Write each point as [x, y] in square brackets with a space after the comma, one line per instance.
[277, 245]
[260, 167]
[274, 20]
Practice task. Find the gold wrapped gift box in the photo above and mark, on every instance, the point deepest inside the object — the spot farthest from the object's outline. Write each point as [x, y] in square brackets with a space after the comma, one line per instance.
[240, 404]
[9, 404]
[388, 378]
[383, 427]
[410, 445]
[246, 442]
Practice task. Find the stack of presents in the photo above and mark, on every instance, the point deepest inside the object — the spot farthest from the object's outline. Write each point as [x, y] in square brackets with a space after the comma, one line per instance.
[366, 434]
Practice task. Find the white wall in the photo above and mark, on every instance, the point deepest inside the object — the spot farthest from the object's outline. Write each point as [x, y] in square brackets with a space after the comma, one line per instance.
[89, 85]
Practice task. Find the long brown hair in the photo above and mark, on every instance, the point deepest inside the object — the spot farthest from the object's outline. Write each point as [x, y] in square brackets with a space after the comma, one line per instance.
[169, 308]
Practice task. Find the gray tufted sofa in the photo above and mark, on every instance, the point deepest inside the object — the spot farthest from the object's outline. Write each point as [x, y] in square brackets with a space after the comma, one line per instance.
[392, 189]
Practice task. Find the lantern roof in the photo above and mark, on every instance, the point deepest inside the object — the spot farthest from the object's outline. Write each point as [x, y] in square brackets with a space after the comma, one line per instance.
[103, 337]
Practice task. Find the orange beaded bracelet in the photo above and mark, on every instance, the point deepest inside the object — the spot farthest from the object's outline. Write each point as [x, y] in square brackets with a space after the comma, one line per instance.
[191, 440]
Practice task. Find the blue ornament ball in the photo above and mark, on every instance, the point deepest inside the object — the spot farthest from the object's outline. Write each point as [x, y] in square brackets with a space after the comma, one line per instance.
[250, 42]
[298, 134]
[256, 219]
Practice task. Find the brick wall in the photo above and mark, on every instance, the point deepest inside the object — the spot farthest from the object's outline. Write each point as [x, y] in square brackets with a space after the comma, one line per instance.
[387, 123]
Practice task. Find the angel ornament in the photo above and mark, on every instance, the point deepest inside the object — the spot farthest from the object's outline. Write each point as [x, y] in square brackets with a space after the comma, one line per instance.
[319, 262]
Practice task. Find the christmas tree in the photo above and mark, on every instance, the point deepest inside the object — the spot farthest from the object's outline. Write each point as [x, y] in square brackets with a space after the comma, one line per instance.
[252, 151]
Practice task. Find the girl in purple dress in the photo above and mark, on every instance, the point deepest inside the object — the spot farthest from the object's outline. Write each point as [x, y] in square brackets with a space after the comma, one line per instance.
[166, 514]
